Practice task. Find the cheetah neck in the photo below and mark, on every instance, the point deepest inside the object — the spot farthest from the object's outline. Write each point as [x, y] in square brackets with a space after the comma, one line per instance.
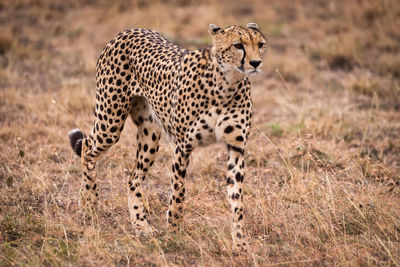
[231, 77]
[228, 78]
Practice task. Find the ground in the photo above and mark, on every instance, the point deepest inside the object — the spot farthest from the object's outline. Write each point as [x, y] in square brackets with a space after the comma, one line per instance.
[322, 182]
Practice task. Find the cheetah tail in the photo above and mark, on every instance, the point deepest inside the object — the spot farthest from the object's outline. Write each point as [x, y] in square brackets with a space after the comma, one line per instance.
[76, 137]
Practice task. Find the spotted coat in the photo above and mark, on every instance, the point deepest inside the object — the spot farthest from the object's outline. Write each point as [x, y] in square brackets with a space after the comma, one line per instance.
[198, 97]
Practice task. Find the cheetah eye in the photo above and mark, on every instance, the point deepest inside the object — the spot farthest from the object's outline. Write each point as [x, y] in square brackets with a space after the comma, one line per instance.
[238, 46]
[261, 45]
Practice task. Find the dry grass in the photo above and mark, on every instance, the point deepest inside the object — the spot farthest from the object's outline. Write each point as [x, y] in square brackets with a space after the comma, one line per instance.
[322, 184]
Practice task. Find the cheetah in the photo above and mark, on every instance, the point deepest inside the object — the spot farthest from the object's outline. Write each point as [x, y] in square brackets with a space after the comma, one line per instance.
[196, 97]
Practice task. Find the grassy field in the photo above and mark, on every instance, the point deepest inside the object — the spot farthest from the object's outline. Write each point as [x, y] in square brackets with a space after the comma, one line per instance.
[322, 182]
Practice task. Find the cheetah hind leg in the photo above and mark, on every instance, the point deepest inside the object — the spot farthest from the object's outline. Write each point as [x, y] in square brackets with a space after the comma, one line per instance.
[148, 136]
[90, 148]
[82, 144]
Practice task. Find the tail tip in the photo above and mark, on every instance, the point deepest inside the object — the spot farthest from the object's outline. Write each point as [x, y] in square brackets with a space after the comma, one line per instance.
[75, 138]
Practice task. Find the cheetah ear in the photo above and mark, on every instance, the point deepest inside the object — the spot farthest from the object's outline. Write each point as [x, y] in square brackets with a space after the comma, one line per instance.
[214, 29]
[253, 25]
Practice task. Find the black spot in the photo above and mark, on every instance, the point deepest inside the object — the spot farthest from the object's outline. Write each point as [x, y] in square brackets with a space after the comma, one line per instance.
[141, 120]
[189, 147]
[228, 129]
[239, 138]
[99, 139]
[113, 129]
[229, 181]
[239, 177]
[183, 173]
[231, 166]
[198, 136]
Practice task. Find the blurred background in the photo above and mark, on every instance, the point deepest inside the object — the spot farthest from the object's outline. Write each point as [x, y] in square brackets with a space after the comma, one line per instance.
[322, 160]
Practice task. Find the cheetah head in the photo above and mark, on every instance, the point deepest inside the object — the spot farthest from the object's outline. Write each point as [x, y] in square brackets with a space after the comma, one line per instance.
[238, 48]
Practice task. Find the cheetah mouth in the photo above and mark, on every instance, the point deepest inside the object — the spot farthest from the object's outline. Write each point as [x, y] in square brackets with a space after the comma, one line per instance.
[252, 72]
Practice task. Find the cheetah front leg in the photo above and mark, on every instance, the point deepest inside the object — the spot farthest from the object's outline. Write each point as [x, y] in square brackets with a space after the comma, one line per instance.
[177, 193]
[234, 180]
[234, 134]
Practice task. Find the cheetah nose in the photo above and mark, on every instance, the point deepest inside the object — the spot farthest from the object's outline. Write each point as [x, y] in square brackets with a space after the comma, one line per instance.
[255, 63]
